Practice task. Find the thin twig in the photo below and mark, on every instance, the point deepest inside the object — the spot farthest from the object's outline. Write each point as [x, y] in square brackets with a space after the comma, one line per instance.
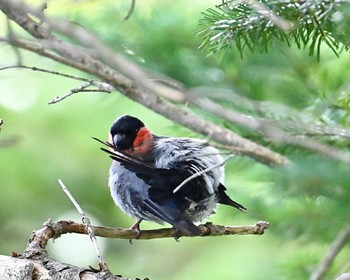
[131, 9]
[339, 242]
[34, 68]
[200, 173]
[81, 88]
[87, 224]
[102, 86]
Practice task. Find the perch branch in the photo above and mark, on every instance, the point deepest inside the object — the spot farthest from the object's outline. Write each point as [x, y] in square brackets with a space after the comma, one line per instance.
[39, 238]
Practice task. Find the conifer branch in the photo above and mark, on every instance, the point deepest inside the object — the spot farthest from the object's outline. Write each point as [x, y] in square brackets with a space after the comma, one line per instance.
[257, 25]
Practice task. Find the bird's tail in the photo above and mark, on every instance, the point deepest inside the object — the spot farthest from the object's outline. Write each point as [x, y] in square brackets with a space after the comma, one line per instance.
[225, 199]
[180, 220]
[188, 227]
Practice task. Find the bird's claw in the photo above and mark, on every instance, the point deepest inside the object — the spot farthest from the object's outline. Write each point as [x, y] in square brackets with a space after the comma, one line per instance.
[178, 234]
[136, 228]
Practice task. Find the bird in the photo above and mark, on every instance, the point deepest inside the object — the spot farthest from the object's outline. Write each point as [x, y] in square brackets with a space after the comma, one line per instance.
[147, 172]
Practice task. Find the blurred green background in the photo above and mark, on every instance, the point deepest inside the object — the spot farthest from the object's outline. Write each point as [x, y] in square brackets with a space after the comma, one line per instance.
[306, 204]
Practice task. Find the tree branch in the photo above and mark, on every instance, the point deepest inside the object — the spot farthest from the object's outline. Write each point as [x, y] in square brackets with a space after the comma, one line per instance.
[35, 260]
[140, 90]
[142, 87]
[39, 238]
[41, 267]
[272, 129]
[339, 242]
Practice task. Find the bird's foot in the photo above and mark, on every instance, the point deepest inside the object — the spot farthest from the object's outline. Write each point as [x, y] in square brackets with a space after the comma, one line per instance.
[136, 228]
[178, 234]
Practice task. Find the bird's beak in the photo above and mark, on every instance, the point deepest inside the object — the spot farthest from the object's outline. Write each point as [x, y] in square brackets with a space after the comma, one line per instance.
[118, 138]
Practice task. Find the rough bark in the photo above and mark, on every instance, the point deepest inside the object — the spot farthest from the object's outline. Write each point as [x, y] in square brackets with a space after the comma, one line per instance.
[44, 268]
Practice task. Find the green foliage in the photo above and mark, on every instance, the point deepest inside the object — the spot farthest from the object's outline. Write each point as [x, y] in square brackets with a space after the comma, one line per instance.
[300, 264]
[306, 204]
[258, 26]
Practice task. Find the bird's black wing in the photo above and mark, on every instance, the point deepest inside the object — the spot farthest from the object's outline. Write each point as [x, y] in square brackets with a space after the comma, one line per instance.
[163, 181]
[162, 203]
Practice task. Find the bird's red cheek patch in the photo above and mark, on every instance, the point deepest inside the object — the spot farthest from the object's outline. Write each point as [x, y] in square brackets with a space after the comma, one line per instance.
[143, 141]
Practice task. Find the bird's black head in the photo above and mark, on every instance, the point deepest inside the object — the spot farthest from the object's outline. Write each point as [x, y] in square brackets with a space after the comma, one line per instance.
[124, 131]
